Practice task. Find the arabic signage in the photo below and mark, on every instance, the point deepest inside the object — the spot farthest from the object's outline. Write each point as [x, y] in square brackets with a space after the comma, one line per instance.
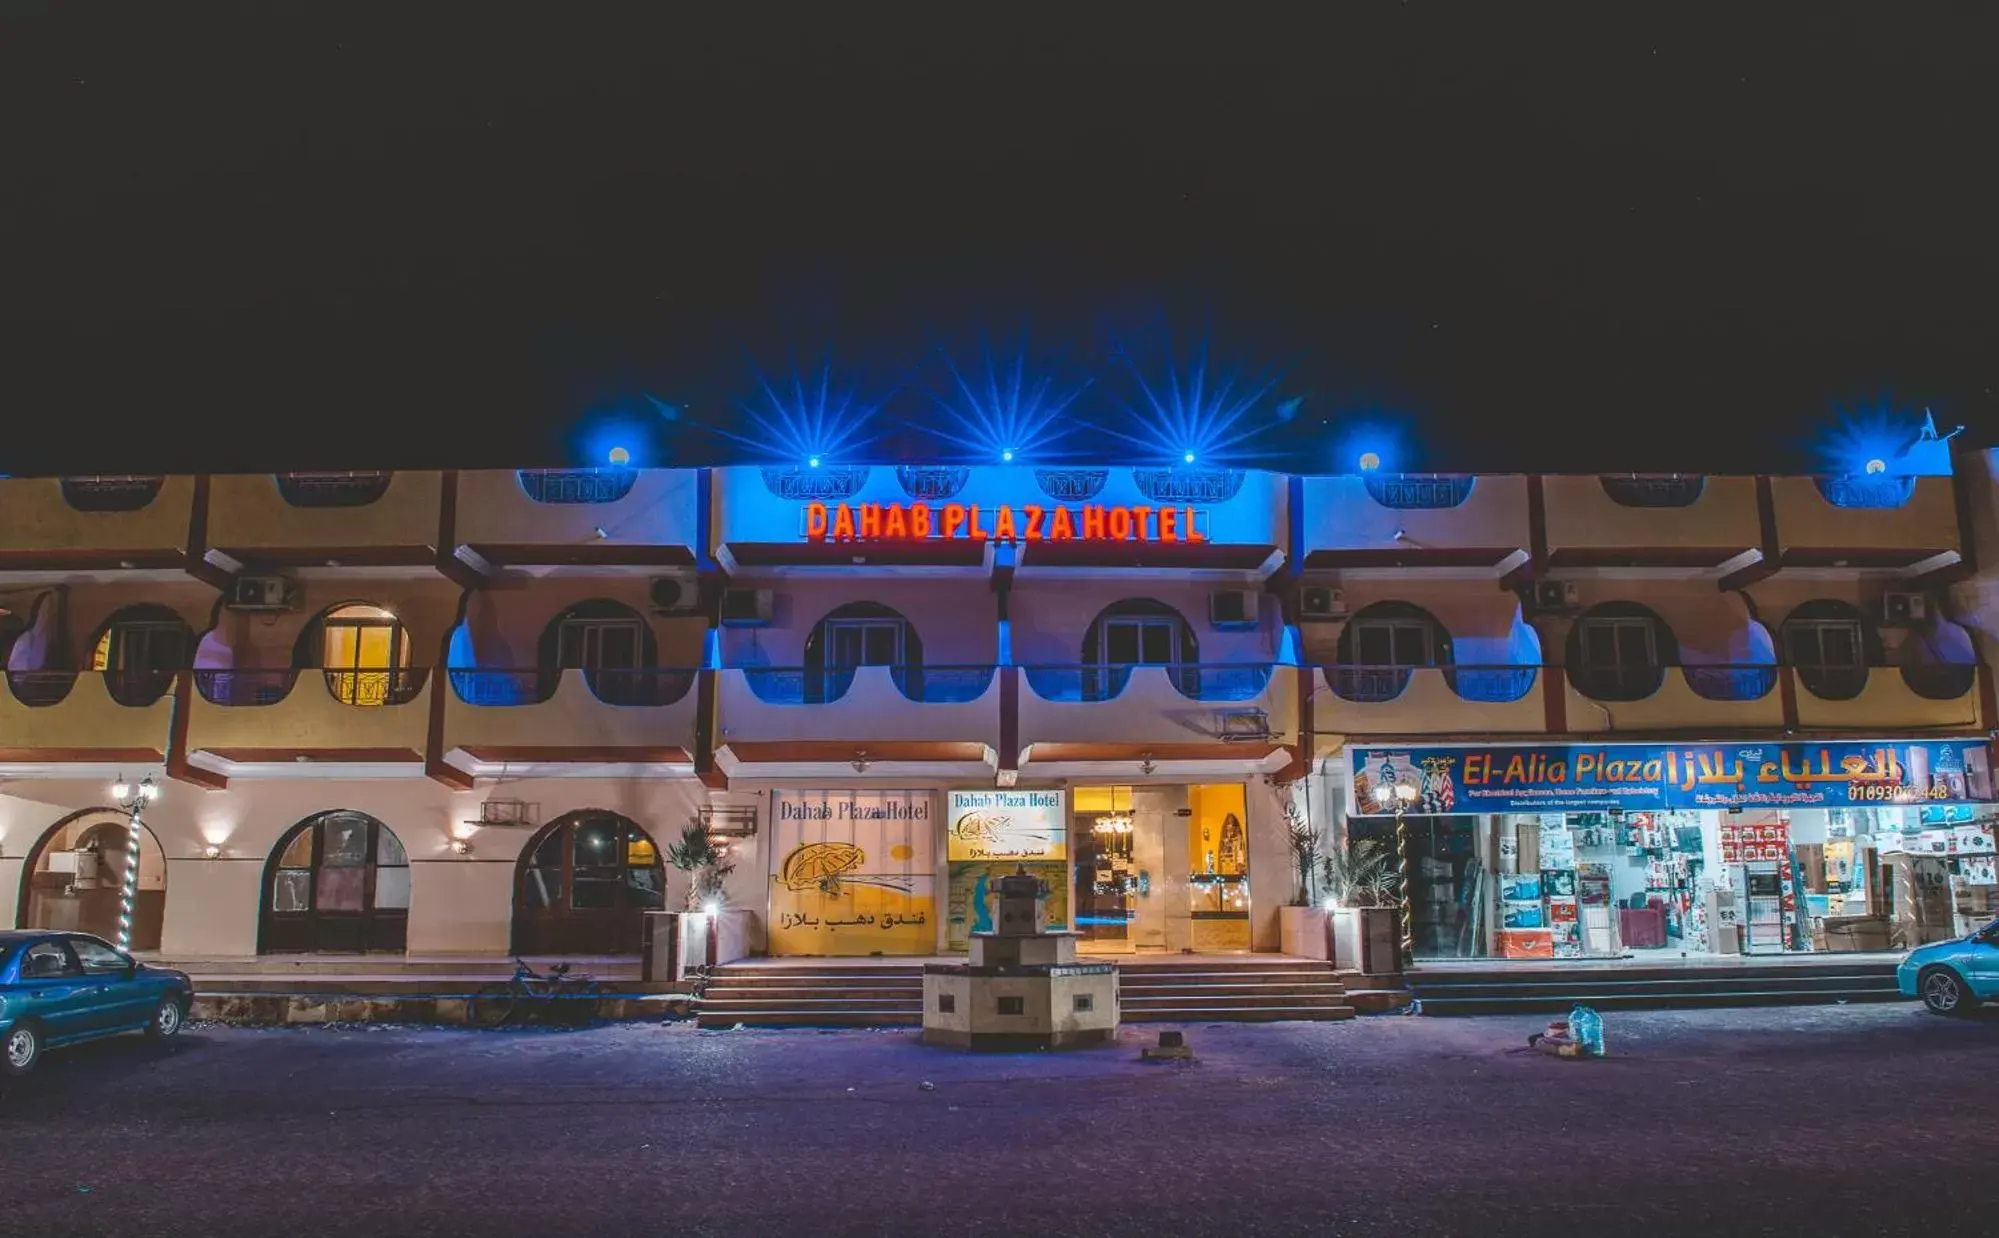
[853, 872]
[1601, 777]
[1007, 825]
[1029, 522]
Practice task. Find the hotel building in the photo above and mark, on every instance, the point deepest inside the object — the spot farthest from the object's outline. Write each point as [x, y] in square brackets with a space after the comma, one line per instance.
[470, 712]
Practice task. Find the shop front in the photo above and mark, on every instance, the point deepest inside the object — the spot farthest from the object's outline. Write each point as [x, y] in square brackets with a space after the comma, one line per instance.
[1638, 851]
[1161, 869]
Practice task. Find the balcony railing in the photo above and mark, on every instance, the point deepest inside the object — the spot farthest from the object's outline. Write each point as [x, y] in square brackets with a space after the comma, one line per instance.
[258, 686]
[1213, 682]
[934, 685]
[136, 687]
[639, 687]
[342, 489]
[1710, 681]
[111, 492]
[1488, 684]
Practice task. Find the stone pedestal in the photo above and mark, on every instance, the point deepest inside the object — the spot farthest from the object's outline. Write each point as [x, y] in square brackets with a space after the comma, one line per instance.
[1022, 988]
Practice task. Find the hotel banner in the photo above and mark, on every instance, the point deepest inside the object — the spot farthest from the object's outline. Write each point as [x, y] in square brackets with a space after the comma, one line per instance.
[853, 872]
[1480, 778]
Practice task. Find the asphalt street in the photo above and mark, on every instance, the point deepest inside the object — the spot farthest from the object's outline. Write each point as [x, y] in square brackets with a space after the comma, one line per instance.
[1822, 1122]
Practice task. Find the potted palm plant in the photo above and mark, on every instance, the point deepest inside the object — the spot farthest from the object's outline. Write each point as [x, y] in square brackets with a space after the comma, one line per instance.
[708, 865]
[1359, 881]
[1303, 924]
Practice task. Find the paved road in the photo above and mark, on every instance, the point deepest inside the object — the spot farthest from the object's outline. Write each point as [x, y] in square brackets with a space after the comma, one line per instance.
[1870, 1120]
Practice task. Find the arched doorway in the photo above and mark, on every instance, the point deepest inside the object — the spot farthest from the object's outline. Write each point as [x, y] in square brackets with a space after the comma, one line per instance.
[74, 879]
[584, 884]
[612, 645]
[364, 651]
[861, 634]
[1380, 647]
[1138, 632]
[336, 883]
[139, 650]
[1619, 651]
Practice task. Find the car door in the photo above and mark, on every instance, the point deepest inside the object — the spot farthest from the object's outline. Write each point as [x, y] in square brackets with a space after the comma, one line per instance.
[59, 996]
[1981, 963]
[122, 1000]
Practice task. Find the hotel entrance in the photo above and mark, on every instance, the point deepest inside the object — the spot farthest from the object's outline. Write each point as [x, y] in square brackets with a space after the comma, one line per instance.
[1160, 870]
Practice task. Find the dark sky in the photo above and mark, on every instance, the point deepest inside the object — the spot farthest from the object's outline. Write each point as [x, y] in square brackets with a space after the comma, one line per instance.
[1548, 237]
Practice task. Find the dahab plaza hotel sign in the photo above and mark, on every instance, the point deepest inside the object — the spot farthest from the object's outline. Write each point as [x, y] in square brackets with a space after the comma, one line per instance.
[1004, 522]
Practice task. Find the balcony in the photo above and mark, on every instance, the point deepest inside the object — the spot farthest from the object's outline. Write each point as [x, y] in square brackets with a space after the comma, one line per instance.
[1934, 697]
[77, 716]
[552, 517]
[1639, 521]
[1908, 524]
[513, 721]
[1427, 700]
[98, 522]
[1602, 700]
[1407, 521]
[372, 519]
[940, 719]
[1218, 718]
[244, 717]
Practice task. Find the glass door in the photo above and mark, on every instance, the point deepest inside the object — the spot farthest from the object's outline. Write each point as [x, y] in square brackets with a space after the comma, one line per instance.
[364, 650]
[609, 652]
[1107, 877]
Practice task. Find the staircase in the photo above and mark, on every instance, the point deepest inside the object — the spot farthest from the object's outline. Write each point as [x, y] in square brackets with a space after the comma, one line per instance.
[835, 994]
[1254, 991]
[1554, 989]
[813, 994]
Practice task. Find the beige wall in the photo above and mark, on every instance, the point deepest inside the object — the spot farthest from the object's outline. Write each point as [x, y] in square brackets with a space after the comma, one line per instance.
[1484, 621]
[427, 607]
[506, 619]
[955, 617]
[1051, 615]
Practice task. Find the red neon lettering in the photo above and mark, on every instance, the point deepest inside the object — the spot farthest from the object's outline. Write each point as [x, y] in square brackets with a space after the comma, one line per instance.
[815, 521]
[1193, 534]
[919, 520]
[978, 531]
[843, 523]
[1003, 525]
[897, 525]
[871, 521]
[1060, 527]
[954, 518]
[1169, 524]
[1093, 522]
[1120, 523]
[1141, 518]
[1034, 522]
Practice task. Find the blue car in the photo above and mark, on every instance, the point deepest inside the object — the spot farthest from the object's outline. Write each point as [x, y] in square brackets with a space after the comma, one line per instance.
[62, 988]
[1953, 976]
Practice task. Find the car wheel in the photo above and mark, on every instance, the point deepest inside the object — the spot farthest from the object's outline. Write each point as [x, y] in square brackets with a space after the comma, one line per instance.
[1943, 992]
[21, 1049]
[167, 1020]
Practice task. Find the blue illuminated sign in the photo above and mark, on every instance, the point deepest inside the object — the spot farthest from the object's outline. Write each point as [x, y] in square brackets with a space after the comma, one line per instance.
[1600, 777]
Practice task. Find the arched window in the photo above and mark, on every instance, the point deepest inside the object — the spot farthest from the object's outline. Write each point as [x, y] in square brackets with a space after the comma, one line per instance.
[139, 650]
[1138, 632]
[338, 883]
[365, 652]
[74, 878]
[1381, 645]
[1831, 645]
[584, 885]
[1618, 651]
[861, 634]
[612, 645]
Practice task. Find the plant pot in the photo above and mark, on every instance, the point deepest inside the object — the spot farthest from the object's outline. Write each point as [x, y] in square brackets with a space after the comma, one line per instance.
[1305, 933]
[1366, 939]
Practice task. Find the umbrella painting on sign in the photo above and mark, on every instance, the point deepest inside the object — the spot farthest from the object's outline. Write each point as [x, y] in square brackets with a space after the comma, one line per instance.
[854, 873]
[993, 834]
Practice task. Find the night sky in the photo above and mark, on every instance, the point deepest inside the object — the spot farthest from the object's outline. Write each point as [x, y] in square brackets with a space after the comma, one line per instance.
[1498, 236]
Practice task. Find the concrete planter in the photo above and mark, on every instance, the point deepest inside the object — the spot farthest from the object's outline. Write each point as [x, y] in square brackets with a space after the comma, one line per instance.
[1304, 932]
[1364, 938]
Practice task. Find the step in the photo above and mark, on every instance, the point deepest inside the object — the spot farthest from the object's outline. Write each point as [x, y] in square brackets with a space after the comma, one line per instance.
[388, 964]
[1239, 1014]
[1788, 984]
[1379, 1001]
[1554, 1004]
[1129, 985]
[809, 1018]
[1230, 1001]
[905, 983]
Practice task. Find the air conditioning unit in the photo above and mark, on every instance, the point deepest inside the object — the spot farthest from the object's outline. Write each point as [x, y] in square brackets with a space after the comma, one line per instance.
[1902, 610]
[672, 595]
[1321, 603]
[260, 593]
[747, 608]
[1232, 609]
[507, 813]
[1552, 597]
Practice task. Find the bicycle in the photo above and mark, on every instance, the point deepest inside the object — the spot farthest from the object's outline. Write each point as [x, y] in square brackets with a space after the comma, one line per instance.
[569, 999]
